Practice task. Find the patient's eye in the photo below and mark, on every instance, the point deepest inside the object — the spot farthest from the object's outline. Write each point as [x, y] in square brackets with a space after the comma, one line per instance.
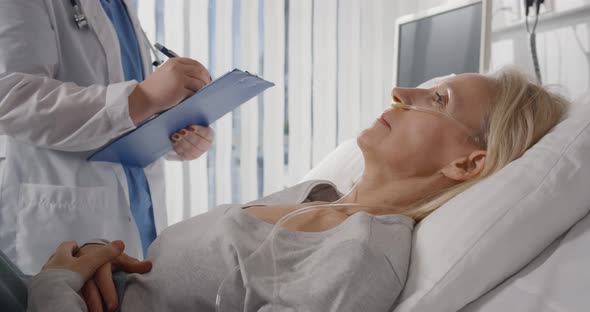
[441, 99]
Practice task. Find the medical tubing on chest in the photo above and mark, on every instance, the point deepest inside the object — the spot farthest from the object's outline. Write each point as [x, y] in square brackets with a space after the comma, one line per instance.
[269, 240]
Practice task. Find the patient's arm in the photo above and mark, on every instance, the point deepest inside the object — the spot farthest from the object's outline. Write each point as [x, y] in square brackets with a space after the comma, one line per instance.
[56, 290]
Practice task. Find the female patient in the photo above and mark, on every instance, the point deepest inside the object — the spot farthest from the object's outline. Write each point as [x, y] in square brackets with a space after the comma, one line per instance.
[433, 144]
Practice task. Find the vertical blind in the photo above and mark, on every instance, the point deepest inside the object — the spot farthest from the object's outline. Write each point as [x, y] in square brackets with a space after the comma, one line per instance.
[331, 62]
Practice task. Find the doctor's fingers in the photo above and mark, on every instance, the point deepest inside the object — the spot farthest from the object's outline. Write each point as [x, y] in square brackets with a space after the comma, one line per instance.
[188, 61]
[189, 150]
[91, 296]
[190, 68]
[193, 84]
[205, 132]
[182, 153]
[197, 141]
[197, 68]
[179, 151]
[186, 151]
[198, 73]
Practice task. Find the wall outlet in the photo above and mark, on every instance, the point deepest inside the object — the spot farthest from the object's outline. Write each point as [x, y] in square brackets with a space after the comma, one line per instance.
[547, 6]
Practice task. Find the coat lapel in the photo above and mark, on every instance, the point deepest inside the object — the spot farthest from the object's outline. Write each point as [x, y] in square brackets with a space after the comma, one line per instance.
[100, 23]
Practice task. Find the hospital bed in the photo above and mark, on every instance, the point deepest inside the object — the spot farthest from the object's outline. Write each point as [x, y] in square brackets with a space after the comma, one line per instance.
[517, 241]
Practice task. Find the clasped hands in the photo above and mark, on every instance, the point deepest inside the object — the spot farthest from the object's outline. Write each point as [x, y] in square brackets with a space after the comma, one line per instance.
[96, 263]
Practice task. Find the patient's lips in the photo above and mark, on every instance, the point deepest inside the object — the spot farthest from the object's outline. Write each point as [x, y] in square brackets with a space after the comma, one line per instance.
[384, 121]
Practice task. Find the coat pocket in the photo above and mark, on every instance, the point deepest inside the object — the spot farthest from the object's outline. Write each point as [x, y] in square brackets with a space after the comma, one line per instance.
[50, 214]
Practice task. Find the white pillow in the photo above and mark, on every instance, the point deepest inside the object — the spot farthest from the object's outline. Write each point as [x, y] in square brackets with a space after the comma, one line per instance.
[343, 166]
[489, 232]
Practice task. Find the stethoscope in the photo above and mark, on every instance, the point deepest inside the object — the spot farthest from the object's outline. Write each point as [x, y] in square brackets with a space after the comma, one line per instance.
[82, 23]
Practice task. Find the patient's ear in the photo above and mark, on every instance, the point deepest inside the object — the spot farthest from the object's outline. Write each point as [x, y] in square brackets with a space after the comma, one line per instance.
[465, 168]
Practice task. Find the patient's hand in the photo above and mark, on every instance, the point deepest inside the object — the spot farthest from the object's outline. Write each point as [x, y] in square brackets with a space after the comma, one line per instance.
[102, 281]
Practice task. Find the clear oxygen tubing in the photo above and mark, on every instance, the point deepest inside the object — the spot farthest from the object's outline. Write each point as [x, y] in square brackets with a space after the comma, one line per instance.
[472, 136]
[269, 240]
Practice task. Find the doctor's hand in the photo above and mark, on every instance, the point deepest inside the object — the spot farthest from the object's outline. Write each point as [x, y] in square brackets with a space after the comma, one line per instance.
[171, 83]
[101, 284]
[192, 142]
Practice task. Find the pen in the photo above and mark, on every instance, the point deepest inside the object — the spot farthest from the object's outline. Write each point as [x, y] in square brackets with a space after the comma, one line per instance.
[165, 51]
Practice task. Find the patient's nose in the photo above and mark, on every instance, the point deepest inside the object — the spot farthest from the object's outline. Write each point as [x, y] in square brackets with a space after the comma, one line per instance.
[402, 95]
[410, 96]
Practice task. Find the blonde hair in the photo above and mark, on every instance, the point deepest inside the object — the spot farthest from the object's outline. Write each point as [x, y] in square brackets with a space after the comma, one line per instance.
[521, 113]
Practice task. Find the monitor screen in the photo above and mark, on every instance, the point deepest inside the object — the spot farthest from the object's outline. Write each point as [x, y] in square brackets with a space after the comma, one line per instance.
[439, 45]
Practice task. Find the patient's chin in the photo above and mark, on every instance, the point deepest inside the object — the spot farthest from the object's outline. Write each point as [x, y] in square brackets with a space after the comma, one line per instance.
[371, 137]
[369, 143]
[364, 139]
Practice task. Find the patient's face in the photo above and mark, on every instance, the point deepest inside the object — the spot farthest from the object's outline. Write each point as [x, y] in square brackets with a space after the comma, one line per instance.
[411, 143]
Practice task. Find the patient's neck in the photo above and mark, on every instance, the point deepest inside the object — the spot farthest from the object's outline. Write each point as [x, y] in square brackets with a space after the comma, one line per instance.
[376, 189]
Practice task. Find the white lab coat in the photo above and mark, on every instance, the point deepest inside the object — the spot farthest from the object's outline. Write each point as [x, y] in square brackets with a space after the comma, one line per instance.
[62, 96]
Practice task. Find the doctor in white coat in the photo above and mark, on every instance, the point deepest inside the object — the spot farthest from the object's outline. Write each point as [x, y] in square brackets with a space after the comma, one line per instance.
[63, 94]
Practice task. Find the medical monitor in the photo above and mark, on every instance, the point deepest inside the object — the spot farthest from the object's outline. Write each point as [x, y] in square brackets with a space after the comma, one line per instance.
[443, 40]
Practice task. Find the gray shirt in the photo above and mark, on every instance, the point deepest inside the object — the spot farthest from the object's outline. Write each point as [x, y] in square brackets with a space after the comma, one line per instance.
[359, 265]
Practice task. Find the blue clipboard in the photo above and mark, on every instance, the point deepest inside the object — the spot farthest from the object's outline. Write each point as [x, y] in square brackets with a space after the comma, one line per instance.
[151, 140]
